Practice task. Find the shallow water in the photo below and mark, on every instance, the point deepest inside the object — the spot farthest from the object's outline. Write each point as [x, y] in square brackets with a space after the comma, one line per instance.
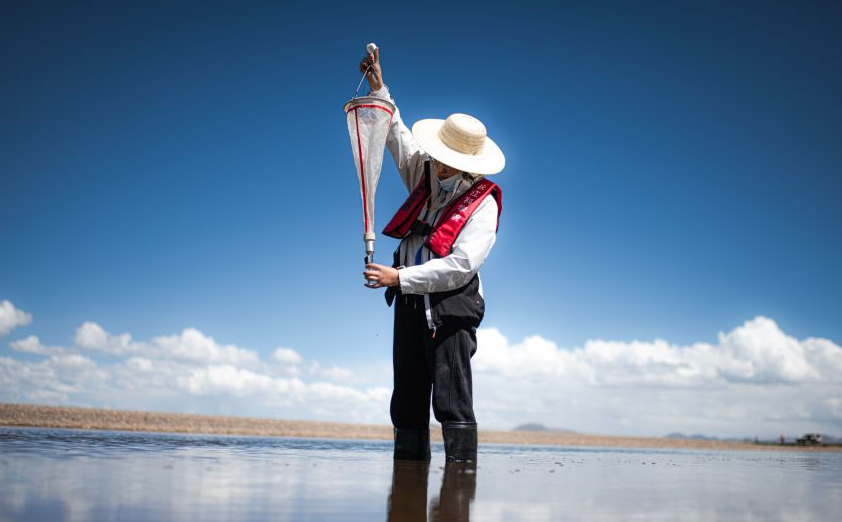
[93, 475]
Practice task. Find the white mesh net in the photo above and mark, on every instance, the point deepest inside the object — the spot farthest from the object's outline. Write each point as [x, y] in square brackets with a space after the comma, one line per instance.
[368, 125]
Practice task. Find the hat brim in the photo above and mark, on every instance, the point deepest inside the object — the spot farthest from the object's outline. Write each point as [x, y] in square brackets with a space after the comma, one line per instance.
[490, 161]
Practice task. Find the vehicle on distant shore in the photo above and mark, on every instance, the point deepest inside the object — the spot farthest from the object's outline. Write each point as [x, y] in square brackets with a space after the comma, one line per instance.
[809, 439]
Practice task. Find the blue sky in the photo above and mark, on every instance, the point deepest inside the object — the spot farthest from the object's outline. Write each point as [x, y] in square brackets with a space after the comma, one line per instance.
[673, 169]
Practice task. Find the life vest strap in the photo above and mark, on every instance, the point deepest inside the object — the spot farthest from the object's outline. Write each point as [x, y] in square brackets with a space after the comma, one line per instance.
[442, 235]
[401, 224]
[456, 216]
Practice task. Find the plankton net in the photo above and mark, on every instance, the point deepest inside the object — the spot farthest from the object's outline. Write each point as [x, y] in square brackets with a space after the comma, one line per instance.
[369, 119]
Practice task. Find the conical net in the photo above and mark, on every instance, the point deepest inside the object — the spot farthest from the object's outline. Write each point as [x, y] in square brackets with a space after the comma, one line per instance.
[368, 125]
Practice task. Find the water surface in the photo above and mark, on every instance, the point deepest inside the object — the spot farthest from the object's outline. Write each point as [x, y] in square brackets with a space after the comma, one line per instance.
[93, 475]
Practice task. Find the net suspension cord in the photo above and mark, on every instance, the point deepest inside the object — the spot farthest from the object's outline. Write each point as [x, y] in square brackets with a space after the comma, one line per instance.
[357, 92]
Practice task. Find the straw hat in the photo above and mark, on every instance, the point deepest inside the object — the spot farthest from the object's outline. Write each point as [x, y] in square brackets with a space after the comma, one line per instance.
[461, 142]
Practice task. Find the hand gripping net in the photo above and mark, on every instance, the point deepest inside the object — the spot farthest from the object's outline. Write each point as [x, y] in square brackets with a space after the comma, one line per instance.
[369, 119]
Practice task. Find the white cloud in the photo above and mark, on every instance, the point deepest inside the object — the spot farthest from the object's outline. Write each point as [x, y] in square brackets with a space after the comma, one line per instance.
[140, 364]
[756, 378]
[11, 317]
[188, 371]
[51, 380]
[287, 356]
[332, 373]
[229, 380]
[32, 344]
[758, 352]
[193, 345]
[92, 336]
[190, 345]
[337, 374]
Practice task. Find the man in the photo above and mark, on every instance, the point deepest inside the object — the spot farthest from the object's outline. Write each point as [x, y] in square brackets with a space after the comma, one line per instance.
[447, 228]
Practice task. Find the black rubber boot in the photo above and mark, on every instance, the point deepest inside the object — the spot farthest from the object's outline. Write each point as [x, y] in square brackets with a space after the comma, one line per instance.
[460, 441]
[412, 444]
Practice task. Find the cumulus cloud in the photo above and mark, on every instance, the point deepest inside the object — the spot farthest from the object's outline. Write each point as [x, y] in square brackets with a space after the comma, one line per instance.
[332, 373]
[757, 352]
[188, 371]
[755, 377]
[32, 344]
[192, 345]
[287, 356]
[11, 317]
[238, 382]
[52, 380]
[92, 336]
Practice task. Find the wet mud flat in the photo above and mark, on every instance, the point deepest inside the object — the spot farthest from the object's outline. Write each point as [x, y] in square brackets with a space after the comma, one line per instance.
[58, 474]
[37, 416]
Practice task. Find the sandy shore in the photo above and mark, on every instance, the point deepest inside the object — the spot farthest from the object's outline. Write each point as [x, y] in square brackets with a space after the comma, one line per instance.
[102, 419]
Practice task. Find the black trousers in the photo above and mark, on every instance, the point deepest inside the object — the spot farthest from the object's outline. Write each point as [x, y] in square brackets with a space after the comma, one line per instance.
[426, 366]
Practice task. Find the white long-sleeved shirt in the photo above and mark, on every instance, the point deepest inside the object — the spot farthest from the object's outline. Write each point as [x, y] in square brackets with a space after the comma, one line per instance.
[423, 272]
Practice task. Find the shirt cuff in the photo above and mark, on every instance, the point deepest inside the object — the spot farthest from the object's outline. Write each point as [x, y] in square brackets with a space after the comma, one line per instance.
[382, 93]
[405, 278]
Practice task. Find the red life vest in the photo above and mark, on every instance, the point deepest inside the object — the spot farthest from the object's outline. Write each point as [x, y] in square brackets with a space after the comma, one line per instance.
[451, 222]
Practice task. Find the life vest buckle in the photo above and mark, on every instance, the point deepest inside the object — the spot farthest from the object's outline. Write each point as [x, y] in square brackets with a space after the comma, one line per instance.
[421, 228]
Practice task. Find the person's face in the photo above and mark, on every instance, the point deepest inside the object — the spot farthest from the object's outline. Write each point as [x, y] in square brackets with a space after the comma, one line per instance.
[445, 171]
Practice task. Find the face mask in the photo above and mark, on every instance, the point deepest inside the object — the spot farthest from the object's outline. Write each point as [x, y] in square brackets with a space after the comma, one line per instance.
[450, 183]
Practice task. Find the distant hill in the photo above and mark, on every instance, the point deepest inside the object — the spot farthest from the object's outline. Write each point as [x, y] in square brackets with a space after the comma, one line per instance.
[695, 436]
[537, 426]
[699, 436]
[531, 426]
[827, 439]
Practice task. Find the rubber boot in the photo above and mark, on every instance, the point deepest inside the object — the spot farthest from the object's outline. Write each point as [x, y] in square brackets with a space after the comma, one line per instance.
[412, 444]
[460, 441]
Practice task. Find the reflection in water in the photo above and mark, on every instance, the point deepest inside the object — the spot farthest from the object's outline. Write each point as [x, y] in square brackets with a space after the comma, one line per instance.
[408, 497]
[458, 487]
[65, 475]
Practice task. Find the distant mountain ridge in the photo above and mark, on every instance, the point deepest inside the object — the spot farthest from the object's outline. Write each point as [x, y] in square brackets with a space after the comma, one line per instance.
[695, 436]
[827, 439]
[531, 426]
[537, 426]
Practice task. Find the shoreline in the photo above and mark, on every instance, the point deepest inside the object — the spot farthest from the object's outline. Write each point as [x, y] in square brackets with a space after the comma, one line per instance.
[36, 416]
